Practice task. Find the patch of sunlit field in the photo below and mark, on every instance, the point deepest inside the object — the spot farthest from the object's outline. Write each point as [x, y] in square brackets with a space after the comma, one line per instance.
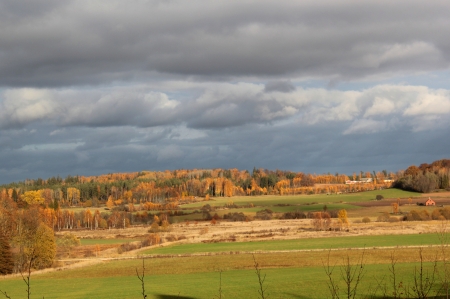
[271, 200]
[368, 241]
[287, 275]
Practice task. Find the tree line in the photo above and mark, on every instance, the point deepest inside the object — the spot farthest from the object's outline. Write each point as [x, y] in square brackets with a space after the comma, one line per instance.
[425, 177]
[181, 185]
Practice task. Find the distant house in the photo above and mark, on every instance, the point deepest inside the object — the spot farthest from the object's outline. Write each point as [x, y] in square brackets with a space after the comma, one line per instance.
[430, 202]
[367, 180]
[362, 181]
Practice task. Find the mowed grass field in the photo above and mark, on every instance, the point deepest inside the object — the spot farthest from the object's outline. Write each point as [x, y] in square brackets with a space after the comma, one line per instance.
[292, 203]
[288, 275]
[272, 200]
[303, 244]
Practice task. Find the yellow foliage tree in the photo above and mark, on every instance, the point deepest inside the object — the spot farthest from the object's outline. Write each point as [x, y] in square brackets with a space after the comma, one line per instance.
[110, 202]
[73, 196]
[128, 196]
[33, 197]
[343, 218]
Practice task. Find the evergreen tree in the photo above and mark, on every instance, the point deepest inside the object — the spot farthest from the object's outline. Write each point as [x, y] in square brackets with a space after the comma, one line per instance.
[6, 259]
[15, 196]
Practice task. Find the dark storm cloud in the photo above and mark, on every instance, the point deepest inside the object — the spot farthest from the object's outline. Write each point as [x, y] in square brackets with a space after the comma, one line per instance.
[282, 86]
[301, 148]
[54, 43]
[91, 87]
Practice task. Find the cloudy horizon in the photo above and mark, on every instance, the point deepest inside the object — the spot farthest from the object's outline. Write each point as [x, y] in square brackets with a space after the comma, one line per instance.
[93, 87]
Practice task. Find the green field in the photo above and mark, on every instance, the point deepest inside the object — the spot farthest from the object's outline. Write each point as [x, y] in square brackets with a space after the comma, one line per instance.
[303, 244]
[272, 200]
[293, 203]
[118, 280]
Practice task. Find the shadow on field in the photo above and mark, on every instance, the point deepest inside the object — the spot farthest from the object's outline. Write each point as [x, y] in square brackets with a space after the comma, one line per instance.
[162, 296]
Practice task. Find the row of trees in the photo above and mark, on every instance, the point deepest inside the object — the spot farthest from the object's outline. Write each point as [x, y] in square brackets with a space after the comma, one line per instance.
[426, 177]
[26, 240]
[147, 186]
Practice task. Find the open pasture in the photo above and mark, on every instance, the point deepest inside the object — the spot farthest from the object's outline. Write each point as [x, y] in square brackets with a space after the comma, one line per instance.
[249, 205]
[302, 200]
[303, 244]
[288, 275]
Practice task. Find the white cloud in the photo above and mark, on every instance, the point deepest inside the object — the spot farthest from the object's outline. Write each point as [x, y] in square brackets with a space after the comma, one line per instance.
[21, 106]
[435, 102]
[381, 106]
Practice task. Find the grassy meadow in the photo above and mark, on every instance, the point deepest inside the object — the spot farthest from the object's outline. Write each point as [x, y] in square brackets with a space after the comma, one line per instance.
[303, 244]
[293, 268]
[288, 275]
[304, 200]
[293, 203]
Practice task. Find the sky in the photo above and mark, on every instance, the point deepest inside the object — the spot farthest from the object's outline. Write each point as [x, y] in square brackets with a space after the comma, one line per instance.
[90, 87]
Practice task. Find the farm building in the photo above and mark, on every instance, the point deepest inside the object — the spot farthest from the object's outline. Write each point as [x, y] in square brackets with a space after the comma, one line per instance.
[429, 202]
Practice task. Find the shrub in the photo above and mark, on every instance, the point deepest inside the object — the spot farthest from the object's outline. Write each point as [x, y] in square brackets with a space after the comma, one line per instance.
[321, 221]
[154, 228]
[383, 217]
[366, 220]
[235, 217]
[294, 215]
[424, 215]
[151, 239]
[414, 215]
[333, 213]
[264, 214]
[165, 226]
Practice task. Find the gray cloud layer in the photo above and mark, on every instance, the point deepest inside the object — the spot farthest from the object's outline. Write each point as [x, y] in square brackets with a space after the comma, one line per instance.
[223, 105]
[54, 43]
[90, 87]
